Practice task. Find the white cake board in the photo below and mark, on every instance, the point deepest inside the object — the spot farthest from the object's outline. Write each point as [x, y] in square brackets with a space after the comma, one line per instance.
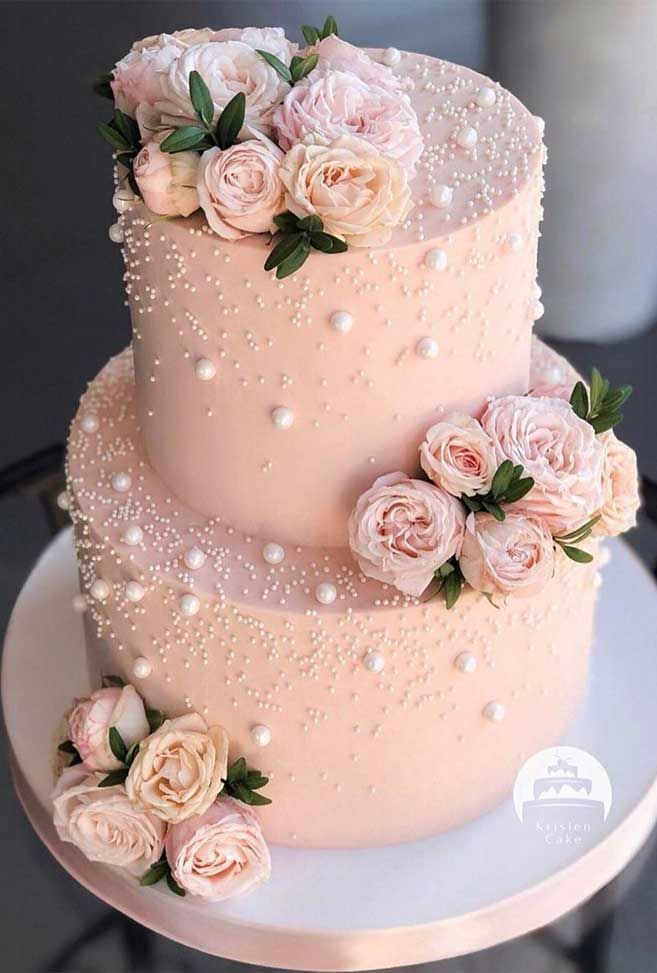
[356, 910]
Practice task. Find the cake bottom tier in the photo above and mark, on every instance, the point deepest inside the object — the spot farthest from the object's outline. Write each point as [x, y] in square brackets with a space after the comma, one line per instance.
[379, 718]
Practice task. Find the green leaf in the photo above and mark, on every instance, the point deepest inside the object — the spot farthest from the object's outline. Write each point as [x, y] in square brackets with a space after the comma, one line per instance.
[75, 759]
[115, 139]
[502, 478]
[453, 588]
[201, 98]
[303, 66]
[131, 754]
[606, 421]
[155, 718]
[616, 397]
[579, 400]
[113, 681]
[237, 771]
[472, 503]
[518, 490]
[330, 27]
[258, 800]
[67, 747]
[311, 223]
[116, 777]
[598, 390]
[231, 121]
[446, 569]
[155, 873]
[310, 35]
[287, 222]
[327, 243]
[117, 746]
[132, 182]
[282, 250]
[128, 128]
[184, 139]
[575, 554]
[126, 158]
[277, 65]
[255, 781]
[296, 259]
[583, 529]
[101, 86]
[173, 885]
[494, 509]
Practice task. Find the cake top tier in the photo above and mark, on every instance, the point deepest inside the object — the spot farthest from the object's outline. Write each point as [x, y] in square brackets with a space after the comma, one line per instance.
[367, 148]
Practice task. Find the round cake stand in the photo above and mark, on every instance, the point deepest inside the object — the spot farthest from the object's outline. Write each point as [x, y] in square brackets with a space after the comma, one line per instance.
[455, 893]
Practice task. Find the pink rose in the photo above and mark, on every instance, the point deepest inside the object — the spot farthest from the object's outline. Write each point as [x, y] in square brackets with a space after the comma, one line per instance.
[239, 188]
[360, 194]
[560, 451]
[552, 392]
[458, 456]
[136, 77]
[338, 55]
[402, 530]
[166, 180]
[104, 825]
[219, 854]
[179, 770]
[340, 104]
[515, 557]
[188, 37]
[270, 39]
[620, 487]
[90, 721]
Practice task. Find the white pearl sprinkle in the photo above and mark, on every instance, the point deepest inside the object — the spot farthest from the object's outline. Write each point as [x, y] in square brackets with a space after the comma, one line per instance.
[467, 137]
[427, 348]
[465, 662]
[441, 196]
[485, 97]
[99, 590]
[326, 593]
[89, 423]
[194, 558]
[436, 260]
[391, 56]
[494, 711]
[189, 605]
[63, 500]
[115, 233]
[123, 199]
[539, 310]
[374, 661]
[282, 417]
[141, 668]
[132, 535]
[273, 553]
[205, 369]
[134, 591]
[540, 122]
[342, 321]
[261, 735]
[121, 482]
[79, 603]
[514, 242]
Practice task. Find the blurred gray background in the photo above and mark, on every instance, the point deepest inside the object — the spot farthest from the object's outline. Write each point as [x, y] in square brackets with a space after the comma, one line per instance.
[586, 66]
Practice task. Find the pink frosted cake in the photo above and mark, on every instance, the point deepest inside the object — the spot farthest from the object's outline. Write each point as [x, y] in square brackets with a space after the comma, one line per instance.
[315, 506]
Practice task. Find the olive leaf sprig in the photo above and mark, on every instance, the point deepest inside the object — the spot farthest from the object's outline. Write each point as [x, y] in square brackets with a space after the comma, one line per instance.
[242, 782]
[298, 69]
[312, 35]
[101, 86]
[68, 747]
[600, 406]
[450, 582]
[568, 542]
[207, 135]
[122, 133]
[508, 486]
[159, 870]
[124, 754]
[296, 237]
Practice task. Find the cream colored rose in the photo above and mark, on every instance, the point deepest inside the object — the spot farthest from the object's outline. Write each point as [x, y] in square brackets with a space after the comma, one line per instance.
[239, 188]
[338, 55]
[458, 456]
[188, 37]
[104, 825]
[620, 487]
[167, 180]
[90, 721]
[221, 854]
[270, 39]
[179, 770]
[360, 194]
[515, 557]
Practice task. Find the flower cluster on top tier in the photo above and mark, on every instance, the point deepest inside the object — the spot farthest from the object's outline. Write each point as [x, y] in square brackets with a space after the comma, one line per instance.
[157, 798]
[551, 455]
[242, 125]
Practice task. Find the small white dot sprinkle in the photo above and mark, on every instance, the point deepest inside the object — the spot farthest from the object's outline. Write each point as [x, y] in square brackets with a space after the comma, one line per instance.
[427, 348]
[134, 591]
[121, 482]
[342, 321]
[261, 735]
[326, 593]
[282, 417]
[189, 605]
[132, 535]
[494, 711]
[436, 260]
[273, 553]
[441, 196]
[141, 668]
[205, 369]
[194, 558]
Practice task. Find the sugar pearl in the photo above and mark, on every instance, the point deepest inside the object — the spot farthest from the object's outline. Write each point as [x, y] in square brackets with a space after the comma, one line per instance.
[141, 668]
[326, 593]
[261, 735]
[391, 56]
[134, 591]
[132, 535]
[436, 260]
[63, 500]
[99, 590]
[465, 662]
[540, 122]
[538, 311]
[514, 242]
[342, 321]
[282, 417]
[89, 423]
[121, 482]
[79, 603]
[115, 233]
[189, 605]
[273, 553]
[467, 137]
[205, 369]
[427, 348]
[194, 558]
[494, 711]
[441, 196]
[374, 661]
[123, 199]
[485, 97]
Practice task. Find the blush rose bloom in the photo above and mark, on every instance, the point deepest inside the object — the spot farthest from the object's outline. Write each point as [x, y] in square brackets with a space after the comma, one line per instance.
[360, 195]
[560, 451]
[402, 530]
[219, 854]
[104, 825]
[339, 104]
[270, 39]
[239, 188]
[552, 392]
[515, 557]
[458, 456]
[620, 487]
[167, 180]
[179, 769]
[227, 67]
[338, 55]
[90, 721]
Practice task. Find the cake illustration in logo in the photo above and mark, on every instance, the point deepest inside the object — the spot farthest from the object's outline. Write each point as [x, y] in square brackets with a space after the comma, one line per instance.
[564, 791]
